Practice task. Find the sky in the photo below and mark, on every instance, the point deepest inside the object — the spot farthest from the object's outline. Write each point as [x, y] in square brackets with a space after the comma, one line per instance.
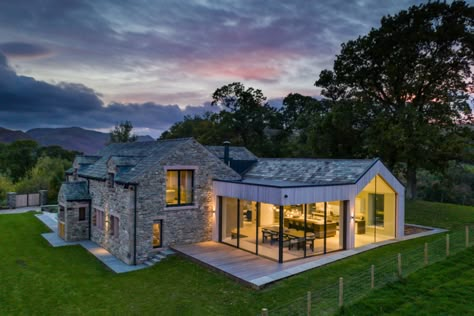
[95, 63]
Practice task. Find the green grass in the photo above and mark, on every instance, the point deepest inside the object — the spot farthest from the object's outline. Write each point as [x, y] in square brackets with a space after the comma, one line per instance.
[444, 288]
[37, 279]
[443, 215]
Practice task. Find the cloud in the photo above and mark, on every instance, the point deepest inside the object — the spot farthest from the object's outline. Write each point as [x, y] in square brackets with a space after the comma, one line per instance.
[21, 49]
[29, 103]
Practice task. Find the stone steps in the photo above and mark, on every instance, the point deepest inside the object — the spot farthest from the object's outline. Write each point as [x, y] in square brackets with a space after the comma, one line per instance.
[151, 261]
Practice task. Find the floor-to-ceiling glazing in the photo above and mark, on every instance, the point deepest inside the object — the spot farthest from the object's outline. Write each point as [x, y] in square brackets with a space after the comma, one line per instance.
[308, 229]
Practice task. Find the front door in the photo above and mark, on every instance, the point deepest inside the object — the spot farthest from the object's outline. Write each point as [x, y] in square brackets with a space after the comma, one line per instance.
[157, 235]
[61, 230]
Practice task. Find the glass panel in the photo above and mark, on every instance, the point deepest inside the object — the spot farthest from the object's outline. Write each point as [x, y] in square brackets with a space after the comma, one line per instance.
[157, 234]
[294, 241]
[172, 188]
[248, 225]
[384, 211]
[229, 221]
[186, 186]
[374, 213]
[334, 233]
[268, 230]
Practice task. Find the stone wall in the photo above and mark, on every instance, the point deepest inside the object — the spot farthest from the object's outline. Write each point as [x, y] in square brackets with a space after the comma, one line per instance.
[116, 201]
[74, 228]
[11, 200]
[182, 224]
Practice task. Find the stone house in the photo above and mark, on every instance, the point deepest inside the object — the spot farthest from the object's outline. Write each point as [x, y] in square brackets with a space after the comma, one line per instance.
[137, 198]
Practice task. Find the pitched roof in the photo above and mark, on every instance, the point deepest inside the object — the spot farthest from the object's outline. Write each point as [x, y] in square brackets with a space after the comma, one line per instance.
[235, 152]
[307, 172]
[133, 159]
[75, 191]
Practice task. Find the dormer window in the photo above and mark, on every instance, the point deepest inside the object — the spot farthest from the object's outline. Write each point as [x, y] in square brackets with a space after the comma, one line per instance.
[179, 187]
[74, 174]
[110, 180]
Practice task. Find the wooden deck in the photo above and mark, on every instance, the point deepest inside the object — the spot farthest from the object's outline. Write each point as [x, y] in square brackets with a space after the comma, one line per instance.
[248, 268]
[257, 272]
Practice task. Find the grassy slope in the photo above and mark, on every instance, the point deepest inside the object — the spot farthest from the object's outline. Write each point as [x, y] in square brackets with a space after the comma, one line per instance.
[444, 288]
[442, 215]
[38, 279]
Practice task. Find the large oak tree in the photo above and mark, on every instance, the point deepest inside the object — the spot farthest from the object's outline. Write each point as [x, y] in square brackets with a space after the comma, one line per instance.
[414, 75]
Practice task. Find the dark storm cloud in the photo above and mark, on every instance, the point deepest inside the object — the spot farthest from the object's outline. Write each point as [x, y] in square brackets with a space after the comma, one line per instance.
[20, 49]
[27, 103]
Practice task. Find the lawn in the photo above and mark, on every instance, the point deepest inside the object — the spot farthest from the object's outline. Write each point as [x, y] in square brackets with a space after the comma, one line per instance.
[444, 288]
[37, 279]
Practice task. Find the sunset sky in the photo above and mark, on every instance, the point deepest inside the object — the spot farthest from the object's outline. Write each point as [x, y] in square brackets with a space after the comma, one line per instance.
[95, 63]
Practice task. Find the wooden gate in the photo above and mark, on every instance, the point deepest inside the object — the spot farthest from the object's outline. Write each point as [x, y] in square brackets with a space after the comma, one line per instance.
[30, 199]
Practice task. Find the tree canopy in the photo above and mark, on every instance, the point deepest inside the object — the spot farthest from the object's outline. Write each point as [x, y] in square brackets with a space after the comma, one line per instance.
[122, 133]
[413, 74]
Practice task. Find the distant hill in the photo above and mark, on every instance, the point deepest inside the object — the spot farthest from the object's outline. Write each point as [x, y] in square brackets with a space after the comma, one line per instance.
[72, 138]
[8, 135]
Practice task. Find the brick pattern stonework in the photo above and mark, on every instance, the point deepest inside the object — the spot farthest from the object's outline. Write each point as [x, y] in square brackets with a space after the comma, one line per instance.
[76, 229]
[181, 225]
[116, 201]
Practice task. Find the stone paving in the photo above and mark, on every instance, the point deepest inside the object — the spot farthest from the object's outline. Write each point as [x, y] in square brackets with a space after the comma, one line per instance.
[20, 210]
[116, 265]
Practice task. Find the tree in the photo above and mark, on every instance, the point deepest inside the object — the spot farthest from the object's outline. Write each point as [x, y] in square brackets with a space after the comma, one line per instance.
[47, 174]
[413, 74]
[17, 158]
[246, 113]
[122, 133]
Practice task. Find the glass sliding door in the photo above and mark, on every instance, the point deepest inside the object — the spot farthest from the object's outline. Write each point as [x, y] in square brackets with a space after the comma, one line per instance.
[282, 232]
[248, 226]
[229, 225]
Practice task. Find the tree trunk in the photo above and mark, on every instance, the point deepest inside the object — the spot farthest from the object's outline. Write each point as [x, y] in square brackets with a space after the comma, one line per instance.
[411, 181]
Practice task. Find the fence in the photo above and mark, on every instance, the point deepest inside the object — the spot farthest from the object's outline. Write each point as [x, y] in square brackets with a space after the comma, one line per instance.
[350, 288]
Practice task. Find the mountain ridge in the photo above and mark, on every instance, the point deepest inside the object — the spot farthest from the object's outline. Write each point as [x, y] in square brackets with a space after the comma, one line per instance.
[71, 138]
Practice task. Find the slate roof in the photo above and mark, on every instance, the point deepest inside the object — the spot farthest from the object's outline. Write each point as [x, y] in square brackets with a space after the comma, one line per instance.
[87, 160]
[235, 152]
[307, 172]
[134, 159]
[75, 191]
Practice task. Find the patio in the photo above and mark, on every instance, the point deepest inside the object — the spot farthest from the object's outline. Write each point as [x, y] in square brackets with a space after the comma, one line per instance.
[257, 272]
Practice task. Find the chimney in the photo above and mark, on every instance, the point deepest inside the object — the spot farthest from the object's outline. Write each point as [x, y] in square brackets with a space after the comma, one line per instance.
[226, 152]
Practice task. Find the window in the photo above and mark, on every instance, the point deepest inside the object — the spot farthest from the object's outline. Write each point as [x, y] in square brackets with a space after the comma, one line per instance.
[376, 209]
[74, 175]
[100, 219]
[82, 214]
[114, 225]
[110, 180]
[157, 235]
[179, 187]
[94, 217]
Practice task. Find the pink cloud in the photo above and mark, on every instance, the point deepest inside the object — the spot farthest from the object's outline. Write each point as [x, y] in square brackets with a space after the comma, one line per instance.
[263, 66]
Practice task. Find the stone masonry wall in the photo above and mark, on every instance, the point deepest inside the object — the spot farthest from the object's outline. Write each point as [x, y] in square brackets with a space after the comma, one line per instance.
[182, 224]
[74, 228]
[117, 201]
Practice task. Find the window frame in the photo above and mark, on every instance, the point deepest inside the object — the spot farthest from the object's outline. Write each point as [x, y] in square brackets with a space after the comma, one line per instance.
[179, 204]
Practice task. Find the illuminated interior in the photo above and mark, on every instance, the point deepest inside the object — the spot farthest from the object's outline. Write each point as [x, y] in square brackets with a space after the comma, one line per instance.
[375, 213]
